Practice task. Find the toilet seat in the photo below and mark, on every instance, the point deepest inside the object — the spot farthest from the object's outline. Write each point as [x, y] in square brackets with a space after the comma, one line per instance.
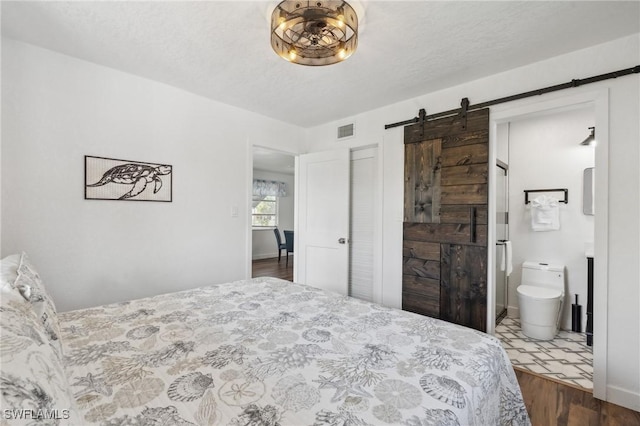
[541, 293]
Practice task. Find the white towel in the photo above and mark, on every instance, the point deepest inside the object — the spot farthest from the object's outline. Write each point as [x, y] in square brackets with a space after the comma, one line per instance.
[545, 214]
[508, 256]
[506, 264]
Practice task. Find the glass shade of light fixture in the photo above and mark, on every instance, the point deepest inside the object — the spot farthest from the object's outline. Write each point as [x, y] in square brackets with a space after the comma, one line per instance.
[314, 32]
[591, 139]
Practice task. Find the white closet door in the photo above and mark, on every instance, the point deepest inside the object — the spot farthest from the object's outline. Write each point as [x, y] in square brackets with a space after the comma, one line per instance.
[322, 232]
[362, 219]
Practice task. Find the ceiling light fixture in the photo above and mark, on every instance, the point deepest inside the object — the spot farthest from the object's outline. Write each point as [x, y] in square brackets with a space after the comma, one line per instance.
[591, 139]
[314, 32]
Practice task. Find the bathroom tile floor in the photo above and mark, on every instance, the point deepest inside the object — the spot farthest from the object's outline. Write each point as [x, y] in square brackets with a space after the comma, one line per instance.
[566, 358]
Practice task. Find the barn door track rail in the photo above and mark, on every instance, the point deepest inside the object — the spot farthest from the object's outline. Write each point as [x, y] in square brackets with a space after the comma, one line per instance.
[465, 107]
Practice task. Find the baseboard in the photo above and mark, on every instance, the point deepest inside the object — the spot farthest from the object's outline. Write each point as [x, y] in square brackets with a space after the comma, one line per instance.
[623, 397]
[265, 256]
[513, 312]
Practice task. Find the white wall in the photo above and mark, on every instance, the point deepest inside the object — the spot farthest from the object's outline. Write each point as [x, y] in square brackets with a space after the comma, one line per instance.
[545, 152]
[623, 304]
[55, 110]
[264, 240]
[502, 143]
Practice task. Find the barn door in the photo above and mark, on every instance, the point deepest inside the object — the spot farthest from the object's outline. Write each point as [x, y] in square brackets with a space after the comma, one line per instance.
[445, 219]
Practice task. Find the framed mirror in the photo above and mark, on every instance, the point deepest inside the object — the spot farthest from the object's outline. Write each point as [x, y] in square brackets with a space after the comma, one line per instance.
[587, 191]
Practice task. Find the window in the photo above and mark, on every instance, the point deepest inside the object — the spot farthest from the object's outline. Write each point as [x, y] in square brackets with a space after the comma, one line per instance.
[265, 211]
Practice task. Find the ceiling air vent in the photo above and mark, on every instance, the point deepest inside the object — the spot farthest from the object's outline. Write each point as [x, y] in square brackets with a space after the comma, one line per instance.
[346, 131]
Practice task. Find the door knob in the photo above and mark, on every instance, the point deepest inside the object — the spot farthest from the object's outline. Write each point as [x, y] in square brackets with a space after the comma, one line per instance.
[342, 240]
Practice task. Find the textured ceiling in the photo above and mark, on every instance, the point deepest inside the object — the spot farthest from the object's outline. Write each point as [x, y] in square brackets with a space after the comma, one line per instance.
[220, 49]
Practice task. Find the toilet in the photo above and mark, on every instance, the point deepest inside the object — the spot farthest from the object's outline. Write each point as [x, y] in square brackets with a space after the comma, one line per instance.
[541, 296]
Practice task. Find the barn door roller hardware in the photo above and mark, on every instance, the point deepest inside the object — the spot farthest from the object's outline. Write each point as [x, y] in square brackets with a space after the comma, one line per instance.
[421, 119]
[465, 107]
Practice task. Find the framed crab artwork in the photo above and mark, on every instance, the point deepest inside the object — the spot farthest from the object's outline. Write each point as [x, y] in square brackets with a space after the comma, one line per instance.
[113, 179]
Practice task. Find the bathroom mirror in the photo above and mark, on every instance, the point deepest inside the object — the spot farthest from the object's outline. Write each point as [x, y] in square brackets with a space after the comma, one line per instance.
[587, 191]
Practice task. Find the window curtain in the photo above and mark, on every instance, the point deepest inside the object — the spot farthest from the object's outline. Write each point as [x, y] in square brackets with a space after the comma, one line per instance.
[265, 188]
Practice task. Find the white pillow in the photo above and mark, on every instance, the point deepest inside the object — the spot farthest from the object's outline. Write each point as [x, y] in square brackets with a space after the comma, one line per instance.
[9, 271]
[32, 289]
[32, 374]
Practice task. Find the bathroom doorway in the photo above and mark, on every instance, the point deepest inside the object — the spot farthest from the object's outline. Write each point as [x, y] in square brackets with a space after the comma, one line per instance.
[544, 153]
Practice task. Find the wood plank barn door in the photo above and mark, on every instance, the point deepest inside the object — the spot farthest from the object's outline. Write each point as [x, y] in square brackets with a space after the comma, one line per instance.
[445, 219]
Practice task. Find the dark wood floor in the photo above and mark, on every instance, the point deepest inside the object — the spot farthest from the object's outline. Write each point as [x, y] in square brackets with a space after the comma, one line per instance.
[550, 403]
[273, 268]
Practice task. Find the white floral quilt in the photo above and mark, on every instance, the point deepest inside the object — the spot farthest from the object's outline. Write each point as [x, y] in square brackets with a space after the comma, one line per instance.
[270, 352]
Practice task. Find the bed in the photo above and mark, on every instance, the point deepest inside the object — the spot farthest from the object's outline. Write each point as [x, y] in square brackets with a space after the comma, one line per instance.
[254, 352]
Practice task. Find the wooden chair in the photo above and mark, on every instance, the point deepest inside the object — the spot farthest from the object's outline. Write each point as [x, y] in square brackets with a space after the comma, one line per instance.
[288, 238]
[281, 245]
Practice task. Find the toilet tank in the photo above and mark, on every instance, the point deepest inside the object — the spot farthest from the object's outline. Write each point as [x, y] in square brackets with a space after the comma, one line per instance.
[543, 275]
